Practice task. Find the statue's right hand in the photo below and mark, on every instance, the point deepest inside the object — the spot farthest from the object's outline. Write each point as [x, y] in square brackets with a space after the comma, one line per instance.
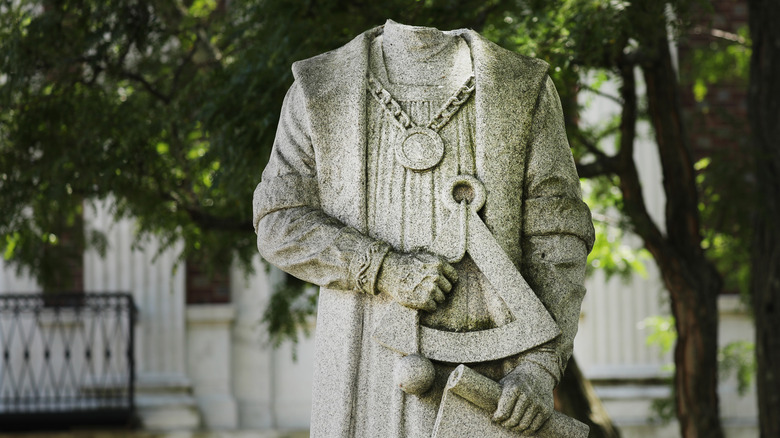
[416, 280]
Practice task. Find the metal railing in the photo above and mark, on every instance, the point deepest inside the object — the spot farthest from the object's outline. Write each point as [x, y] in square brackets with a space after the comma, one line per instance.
[66, 359]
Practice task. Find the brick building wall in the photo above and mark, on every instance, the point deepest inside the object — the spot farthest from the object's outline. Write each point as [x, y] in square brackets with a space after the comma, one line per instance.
[717, 119]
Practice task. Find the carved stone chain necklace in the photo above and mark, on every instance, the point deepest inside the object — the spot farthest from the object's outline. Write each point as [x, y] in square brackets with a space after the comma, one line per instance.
[421, 147]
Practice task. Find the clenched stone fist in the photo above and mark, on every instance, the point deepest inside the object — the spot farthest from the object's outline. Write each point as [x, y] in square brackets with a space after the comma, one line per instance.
[416, 280]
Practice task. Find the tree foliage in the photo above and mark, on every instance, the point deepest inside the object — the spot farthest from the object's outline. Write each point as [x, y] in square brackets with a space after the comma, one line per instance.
[169, 106]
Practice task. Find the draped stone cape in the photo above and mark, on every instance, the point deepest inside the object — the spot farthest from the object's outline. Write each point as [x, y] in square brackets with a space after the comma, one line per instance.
[508, 90]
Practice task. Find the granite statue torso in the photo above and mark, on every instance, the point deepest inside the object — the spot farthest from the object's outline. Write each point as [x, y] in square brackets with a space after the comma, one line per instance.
[336, 203]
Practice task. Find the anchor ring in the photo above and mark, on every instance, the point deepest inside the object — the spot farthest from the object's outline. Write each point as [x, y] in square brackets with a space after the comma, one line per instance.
[464, 185]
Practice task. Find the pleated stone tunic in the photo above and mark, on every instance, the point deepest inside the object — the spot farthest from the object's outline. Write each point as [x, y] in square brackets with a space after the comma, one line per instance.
[406, 210]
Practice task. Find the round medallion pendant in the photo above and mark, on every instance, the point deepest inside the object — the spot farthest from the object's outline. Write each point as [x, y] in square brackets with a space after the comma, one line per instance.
[421, 149]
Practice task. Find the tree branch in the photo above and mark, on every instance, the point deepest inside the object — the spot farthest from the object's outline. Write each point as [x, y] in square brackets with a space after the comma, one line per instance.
[590, 89]
[146, 84]
[594, 169]
[679, 176]
[630, 186]
[603, 165]
[205, 220]
[722, 34]
[590, 145]
[180, 69]
[210, 222]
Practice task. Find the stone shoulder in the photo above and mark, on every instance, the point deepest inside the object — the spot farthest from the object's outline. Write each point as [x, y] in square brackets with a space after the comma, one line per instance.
[320, 71]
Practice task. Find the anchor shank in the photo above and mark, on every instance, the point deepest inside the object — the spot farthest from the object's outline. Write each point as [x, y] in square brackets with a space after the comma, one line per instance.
[509, 283]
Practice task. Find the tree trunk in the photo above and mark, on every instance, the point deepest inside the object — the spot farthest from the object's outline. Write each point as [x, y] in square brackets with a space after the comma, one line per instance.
[764, 110]
[576, 398]
[692, 281]
[695, 355]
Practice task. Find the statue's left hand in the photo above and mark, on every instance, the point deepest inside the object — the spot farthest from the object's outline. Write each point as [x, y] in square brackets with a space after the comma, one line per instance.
[526, 399]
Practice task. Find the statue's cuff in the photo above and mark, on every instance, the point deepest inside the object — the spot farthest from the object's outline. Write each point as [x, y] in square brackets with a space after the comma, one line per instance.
[364, 268]
[547, 359]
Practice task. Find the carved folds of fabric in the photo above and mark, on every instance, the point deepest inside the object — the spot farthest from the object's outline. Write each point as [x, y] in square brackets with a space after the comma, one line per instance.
[364, 267]
[286, 191]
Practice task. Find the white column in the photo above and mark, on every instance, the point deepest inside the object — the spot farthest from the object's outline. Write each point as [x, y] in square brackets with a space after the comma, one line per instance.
[156, 282]
[12, 282]
[272, 389]
[293, 384]
[252, 356]
[208, 363]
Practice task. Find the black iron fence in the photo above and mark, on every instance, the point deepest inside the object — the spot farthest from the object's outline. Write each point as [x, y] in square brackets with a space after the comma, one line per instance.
[67, 359]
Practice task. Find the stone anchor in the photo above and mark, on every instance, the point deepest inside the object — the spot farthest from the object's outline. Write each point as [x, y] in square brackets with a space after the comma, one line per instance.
[470, 398]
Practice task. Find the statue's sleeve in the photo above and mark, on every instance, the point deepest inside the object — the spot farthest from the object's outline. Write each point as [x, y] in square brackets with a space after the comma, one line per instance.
[293, 233]
[557, 229]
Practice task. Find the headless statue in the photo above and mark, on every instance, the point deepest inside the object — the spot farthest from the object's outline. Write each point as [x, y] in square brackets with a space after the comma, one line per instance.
[424, 181]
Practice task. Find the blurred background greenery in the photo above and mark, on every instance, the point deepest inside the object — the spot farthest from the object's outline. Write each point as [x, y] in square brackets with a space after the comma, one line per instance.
[169, 108]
